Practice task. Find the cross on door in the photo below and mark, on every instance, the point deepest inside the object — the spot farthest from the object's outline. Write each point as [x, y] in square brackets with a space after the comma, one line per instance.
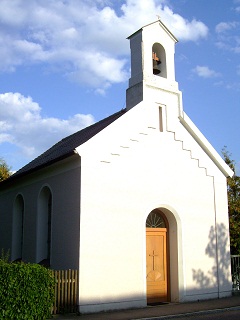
[153, 255]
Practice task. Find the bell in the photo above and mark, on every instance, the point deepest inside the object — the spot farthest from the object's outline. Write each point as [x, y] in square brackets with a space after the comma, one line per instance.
[156, 67]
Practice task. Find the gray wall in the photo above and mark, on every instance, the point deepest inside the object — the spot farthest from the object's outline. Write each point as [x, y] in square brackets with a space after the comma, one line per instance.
[63, 180]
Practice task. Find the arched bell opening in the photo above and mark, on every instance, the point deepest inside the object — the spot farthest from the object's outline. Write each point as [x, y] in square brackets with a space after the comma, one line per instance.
[159, 60]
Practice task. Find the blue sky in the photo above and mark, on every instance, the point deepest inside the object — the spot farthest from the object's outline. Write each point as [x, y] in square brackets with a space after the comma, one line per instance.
[65, 65]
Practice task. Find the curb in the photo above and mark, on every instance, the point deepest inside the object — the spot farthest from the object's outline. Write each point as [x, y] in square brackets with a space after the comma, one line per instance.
[188, 314]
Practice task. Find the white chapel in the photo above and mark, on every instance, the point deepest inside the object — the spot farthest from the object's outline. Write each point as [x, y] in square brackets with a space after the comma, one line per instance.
[136, 202]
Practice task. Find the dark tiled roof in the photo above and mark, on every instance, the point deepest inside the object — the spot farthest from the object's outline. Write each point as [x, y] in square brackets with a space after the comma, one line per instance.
[65, 147]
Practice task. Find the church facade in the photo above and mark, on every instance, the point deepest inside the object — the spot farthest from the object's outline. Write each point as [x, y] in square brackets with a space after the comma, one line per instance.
[137, 202]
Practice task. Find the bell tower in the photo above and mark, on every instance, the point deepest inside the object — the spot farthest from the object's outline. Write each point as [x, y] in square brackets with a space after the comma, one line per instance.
[152, 63]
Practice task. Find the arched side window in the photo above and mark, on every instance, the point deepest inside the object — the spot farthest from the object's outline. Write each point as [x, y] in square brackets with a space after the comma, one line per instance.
[17, 228]
[44, 220]
[159, 60]
[155, 220]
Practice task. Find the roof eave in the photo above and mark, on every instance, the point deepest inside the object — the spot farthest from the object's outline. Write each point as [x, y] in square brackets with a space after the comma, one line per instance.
[12, 179]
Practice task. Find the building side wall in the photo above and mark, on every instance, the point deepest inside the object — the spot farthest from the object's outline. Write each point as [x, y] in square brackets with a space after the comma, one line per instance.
[63, 181]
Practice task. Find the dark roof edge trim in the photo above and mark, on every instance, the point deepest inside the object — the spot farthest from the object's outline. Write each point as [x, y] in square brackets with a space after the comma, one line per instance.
[30, 171]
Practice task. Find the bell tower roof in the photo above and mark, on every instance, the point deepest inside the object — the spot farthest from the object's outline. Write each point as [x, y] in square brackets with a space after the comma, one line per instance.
[160, 23]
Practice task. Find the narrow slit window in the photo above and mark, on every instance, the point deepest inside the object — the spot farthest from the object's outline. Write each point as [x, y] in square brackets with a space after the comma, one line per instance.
[160, 119]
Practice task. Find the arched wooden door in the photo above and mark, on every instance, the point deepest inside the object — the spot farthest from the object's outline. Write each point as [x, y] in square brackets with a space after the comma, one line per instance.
[156, 259]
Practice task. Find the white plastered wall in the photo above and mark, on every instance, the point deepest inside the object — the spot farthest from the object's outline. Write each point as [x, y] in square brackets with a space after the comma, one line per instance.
[129, 169]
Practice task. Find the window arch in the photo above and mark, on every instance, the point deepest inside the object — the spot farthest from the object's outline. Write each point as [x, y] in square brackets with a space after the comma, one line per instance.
[155, 220]
[159, 60]
[17, 228]
[44, 221]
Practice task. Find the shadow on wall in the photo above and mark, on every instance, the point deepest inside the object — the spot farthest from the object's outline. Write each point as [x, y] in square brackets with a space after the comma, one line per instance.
[223, 272]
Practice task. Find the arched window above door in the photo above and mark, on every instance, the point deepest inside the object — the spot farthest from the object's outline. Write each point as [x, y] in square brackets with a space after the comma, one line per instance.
[155, 220]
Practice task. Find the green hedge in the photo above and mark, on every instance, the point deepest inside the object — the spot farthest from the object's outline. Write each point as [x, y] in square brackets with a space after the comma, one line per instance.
[26, 291]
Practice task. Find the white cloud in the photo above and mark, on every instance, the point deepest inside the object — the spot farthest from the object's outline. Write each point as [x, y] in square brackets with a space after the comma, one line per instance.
[69, 33]
[225, 26]
[238, 70]
[237, 8]
[205, 72]
[23, 125]
[233, 86]
[183, 29]
[228, 36]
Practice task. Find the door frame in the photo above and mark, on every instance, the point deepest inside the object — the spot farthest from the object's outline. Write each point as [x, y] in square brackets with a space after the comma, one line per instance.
[167, 254]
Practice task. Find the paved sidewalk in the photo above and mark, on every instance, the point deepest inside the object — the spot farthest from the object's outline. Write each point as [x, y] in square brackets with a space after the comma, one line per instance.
[159, 311]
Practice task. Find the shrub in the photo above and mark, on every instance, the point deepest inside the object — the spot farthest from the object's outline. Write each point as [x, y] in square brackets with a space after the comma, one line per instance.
[26, 291]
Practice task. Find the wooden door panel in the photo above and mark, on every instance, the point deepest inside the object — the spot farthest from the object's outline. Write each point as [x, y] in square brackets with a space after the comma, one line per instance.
[156, 258]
